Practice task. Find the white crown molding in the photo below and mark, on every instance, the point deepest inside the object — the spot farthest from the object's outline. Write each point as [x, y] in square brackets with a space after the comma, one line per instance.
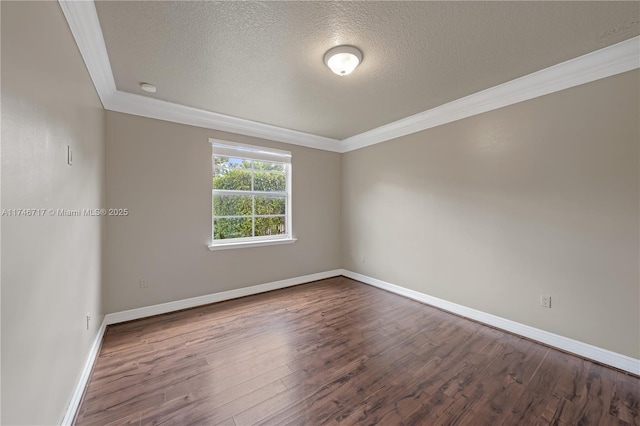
[612, 60]
[74, 404]
[582, 349]
[154, 108]
[178, 305]
[85, 27]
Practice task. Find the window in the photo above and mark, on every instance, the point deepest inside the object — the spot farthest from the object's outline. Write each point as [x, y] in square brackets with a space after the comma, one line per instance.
[251, 195]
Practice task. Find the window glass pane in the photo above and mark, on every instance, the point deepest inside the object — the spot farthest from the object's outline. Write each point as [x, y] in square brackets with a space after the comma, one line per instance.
[232, 205]
[243, 163]
[268, 165]
[250, 194]
[269, 181]
[223, 164]
[270, 204]
[220, 163]
[234, 179]
[270, 226]
[225, 228]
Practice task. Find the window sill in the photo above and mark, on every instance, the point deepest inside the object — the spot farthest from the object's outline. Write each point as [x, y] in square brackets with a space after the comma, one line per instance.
[228, 246]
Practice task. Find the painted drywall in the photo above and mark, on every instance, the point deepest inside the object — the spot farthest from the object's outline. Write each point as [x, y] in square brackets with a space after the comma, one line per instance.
[51, 265]
[161, 172]
[492, 211]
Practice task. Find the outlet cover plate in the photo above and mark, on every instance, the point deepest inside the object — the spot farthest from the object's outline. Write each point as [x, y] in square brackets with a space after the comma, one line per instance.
[545, 301]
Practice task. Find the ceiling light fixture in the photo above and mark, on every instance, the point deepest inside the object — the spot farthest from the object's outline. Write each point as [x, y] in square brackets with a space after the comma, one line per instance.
[343, 59]
[148, 87]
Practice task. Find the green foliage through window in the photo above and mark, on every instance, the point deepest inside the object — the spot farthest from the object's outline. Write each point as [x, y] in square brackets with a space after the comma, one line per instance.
[249, 198]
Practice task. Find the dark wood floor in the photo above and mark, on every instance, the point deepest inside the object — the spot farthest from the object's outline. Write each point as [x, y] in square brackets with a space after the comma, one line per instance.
[338, 351]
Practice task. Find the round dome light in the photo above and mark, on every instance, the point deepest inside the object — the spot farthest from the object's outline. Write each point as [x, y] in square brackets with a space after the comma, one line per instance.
[342, 60]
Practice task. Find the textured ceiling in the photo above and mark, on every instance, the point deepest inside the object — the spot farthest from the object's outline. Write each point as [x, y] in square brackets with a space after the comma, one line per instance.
[263, 61]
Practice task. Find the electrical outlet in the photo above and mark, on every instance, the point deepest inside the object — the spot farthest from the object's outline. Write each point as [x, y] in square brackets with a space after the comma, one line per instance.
[144, 283]
[363, 259]
[88, 320]
[545, 301]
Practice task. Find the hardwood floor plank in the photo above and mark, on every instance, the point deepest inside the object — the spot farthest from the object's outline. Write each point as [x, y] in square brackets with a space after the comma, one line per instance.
[625, 402]
[625, 410]
[340, 352]
[225, 391]
[110, 411]
[373, 370]
[131, 420]
[204, 409]
[402, 389]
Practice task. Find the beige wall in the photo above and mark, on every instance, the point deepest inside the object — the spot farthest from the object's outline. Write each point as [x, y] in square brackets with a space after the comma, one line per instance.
[51, 266]
[542, 197]
[491, 211]
[161, 172]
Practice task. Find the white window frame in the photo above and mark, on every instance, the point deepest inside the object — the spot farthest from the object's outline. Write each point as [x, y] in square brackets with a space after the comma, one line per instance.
[252, 152]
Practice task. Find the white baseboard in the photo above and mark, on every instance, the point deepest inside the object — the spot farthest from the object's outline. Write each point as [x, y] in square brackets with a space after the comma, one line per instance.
[584, 350]
[164, 308]
[74, 404]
